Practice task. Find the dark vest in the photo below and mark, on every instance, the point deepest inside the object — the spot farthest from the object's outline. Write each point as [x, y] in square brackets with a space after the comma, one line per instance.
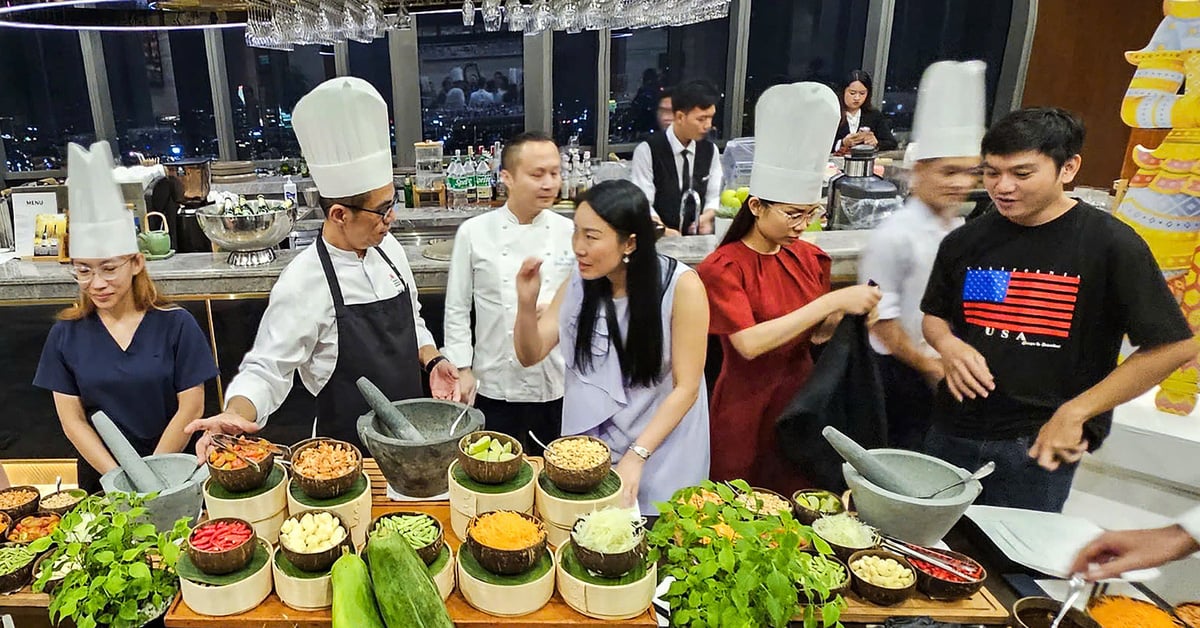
[667, 193]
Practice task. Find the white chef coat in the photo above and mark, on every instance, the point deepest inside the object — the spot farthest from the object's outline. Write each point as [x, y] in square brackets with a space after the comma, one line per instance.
[899, 257]
[1190, 521]
[488, 251]
[643, 170]
[298, 332]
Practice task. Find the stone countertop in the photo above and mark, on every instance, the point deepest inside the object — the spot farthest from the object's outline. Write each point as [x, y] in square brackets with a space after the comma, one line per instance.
[196, 275]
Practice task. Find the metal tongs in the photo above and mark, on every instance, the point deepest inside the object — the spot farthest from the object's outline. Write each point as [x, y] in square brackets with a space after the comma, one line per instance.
[225, 442]
[922, 554]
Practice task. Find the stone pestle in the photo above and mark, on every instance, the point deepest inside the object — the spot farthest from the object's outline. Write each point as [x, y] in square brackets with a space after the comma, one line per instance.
[387, 413]
[143, 478]
[869, 466]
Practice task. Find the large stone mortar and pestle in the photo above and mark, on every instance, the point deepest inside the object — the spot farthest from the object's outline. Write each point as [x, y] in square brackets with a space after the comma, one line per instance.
[417, 467]
[887, 485]
[175, 477]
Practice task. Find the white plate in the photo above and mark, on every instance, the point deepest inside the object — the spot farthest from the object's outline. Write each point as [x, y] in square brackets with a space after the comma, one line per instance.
[1043, 541]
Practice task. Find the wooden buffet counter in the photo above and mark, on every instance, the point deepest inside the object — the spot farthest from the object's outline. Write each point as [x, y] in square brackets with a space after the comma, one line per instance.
[272, 613]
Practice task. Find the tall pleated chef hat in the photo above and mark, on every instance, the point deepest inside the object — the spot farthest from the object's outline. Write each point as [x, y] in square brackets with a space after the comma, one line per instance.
[793, 135]
[342, 126]
[949, 121]
[99, 225]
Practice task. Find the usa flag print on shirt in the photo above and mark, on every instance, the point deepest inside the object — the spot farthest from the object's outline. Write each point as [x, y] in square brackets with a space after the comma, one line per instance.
[1020, 301]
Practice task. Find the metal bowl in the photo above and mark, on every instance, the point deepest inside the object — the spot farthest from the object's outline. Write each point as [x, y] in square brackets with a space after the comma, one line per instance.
[251, 238]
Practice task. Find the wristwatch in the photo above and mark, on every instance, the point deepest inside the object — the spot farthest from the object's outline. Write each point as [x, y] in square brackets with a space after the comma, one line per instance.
[642, 452]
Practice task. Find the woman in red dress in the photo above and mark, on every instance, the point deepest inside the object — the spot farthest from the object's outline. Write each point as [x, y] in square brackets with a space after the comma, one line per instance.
[768, 290]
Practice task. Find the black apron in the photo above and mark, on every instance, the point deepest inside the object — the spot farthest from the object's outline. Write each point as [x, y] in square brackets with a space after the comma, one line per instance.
[377, 340]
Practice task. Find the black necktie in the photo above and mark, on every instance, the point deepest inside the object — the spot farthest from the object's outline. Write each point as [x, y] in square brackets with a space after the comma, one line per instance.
[687, 209]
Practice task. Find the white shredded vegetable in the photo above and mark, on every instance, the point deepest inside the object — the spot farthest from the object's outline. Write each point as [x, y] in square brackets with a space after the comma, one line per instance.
[609, 531]
[845, 530]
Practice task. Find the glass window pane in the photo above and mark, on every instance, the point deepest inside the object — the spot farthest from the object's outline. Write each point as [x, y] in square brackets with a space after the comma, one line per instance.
[646, 60]
[471, 81]
[372, 63]
[264, 86]
[44, 100]
[161, 104]
[924, 32]
[805, 40]
[575, 57]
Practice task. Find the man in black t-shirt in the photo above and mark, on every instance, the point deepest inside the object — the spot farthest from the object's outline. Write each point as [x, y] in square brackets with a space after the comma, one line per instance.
[1028, 305]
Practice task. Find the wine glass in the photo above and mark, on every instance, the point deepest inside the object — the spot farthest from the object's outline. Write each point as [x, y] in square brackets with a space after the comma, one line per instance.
[518, 15]
[493, 15]
[468, 12]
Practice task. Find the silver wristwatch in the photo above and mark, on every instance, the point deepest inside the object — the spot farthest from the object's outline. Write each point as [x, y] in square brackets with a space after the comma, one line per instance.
[642, 452]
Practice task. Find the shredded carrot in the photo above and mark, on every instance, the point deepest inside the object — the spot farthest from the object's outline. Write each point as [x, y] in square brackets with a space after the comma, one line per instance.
[1125, 612]
[1190, 613]
[506, 530]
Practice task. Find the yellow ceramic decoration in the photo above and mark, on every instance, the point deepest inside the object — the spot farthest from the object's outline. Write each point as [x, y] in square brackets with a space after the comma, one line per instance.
[1162, 202]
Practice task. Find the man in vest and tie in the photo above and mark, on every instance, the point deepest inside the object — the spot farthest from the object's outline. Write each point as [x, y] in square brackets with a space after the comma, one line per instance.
[680, 170]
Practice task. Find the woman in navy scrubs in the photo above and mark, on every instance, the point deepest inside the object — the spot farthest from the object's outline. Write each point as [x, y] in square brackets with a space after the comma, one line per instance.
[121, 348]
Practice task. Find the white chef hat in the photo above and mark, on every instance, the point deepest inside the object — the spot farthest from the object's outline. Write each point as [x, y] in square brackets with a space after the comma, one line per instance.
[342, 126]
[794, 127]
[99, 224]
[949, 121]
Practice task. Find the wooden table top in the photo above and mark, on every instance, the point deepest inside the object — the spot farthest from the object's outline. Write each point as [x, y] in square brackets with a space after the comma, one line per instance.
[272, 613]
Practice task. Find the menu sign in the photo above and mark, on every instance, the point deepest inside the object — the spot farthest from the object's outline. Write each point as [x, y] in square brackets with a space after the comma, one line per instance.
[26, 208]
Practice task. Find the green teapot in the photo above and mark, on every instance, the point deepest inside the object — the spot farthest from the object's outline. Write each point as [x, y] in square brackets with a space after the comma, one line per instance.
[155, 242]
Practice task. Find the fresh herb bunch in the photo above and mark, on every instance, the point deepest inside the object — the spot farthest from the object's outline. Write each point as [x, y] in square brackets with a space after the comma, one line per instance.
[126, 574]
[736, 568]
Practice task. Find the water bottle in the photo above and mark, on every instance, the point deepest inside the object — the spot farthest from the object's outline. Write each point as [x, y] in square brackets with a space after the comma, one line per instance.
[468, 176]
[455, 188]
[483, 179]
[289, 190]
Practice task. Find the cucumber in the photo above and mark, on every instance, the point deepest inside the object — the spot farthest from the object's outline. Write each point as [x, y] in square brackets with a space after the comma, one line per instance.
[353, 600]
[406, 593]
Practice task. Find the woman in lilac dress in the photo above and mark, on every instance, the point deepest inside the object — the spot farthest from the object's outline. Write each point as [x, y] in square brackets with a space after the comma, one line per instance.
[633, 327]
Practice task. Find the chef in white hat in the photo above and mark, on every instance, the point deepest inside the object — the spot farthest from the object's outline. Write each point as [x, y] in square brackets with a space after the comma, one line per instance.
[121, 348]
[947, 130]
[769, 291]
[345, 307]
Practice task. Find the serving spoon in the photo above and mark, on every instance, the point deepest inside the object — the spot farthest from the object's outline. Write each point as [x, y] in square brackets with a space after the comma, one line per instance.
[983, 472]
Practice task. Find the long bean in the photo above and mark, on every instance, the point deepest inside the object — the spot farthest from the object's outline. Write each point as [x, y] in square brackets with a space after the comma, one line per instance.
[418, 530]
[14, 558]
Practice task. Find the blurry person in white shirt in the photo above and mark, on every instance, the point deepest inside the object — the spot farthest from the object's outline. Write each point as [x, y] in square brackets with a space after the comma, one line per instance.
[948, 127]
[488, 252]
[346, 307]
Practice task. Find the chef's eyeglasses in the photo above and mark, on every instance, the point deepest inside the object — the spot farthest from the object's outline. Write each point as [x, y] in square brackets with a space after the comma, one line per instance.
[800, 217]
[108, 271]
[383, 214]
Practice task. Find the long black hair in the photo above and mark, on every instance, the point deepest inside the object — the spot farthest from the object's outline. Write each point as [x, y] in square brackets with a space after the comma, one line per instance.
[624, 207]
[862, 77]
[743, 221]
